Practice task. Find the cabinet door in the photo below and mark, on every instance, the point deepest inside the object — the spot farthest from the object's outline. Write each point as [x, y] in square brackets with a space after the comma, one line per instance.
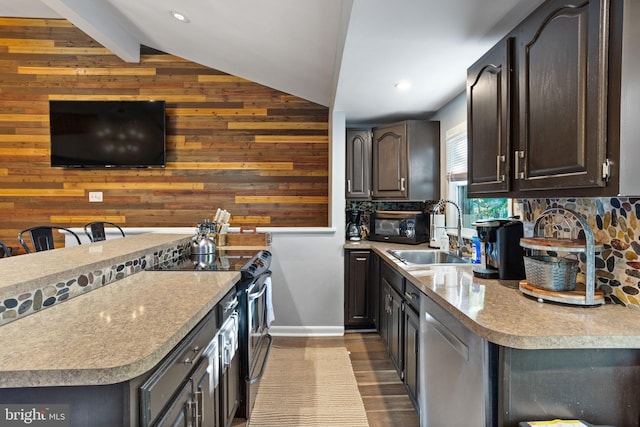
[180, 411]
[562, 72]
[385, 311]
[205, 391]
[358, 185]
[390, 161]
[411, 358]
[488, 118]
[357, 291]
[374, 281]
[230, 391]
[396, 331]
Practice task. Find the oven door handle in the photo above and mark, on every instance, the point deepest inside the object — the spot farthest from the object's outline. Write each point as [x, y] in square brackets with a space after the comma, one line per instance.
[264, 361]
[254, 296]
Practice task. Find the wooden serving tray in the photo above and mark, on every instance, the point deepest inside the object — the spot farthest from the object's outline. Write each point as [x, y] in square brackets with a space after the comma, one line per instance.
[563, 245]
[559, 243]
[566, 296]
[246, 237]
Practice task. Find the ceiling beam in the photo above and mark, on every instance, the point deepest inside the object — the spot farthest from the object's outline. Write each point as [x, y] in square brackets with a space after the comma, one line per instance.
[103, 23]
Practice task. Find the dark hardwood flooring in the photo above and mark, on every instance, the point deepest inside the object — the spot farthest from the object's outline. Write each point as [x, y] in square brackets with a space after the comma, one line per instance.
[383, 394]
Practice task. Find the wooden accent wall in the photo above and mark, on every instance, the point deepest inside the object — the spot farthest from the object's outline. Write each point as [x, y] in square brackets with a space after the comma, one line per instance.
[231, 143]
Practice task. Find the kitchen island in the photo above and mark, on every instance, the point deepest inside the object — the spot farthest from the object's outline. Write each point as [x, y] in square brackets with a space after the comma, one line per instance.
[541, 360]
[93, 350]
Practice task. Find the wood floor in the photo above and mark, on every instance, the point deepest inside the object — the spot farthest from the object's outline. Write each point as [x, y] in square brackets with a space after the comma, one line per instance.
[385, 398]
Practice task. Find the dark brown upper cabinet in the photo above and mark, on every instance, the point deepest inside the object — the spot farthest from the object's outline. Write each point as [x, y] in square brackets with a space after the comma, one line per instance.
[562, 82]
[556, 125]
[488, 112]
[358, 159]
[406, 161]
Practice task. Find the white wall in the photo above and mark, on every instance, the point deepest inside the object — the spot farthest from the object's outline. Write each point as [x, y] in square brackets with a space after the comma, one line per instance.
[308, 267]
[451, 115]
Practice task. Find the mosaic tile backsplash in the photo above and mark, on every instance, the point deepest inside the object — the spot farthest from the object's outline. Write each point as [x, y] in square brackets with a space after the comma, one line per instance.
[615, 223]
[17, 306]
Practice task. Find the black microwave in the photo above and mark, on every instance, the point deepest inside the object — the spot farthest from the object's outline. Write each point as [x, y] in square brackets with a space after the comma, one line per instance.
[410, 227]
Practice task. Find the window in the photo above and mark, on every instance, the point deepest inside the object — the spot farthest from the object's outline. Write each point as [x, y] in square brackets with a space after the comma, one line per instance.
[471, 209]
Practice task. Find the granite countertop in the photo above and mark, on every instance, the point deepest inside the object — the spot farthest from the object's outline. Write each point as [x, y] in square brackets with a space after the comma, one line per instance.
[109, 335]
[497, 311]
[25, 272]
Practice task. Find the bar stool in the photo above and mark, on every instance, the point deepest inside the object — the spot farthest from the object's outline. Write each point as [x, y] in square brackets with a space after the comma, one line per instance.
[4, 250]
[42, 237]
[95, 230]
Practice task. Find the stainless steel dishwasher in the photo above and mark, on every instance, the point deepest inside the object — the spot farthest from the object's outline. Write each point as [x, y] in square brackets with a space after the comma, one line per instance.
[458, 378]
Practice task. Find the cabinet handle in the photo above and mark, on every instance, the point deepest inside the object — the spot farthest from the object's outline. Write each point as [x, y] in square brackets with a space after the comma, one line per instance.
[196, 349]
[198, 409]
[191, 410]
[230, 305]
[411, 295]
[499, 176]
[402, 187]
[517, 156]
[187, 361]
[348, 186]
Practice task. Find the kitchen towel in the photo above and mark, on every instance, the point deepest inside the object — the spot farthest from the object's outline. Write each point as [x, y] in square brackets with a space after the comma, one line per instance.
[270, 314]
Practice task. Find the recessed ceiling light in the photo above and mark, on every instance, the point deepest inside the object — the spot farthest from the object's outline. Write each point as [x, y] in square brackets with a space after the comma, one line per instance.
[179, 16]
[403, 85]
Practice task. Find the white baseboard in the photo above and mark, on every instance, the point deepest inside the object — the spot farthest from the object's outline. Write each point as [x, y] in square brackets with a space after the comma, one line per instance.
[306, 331]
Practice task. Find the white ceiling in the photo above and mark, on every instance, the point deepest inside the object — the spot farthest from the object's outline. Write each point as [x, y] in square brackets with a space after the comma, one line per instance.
[344, 54]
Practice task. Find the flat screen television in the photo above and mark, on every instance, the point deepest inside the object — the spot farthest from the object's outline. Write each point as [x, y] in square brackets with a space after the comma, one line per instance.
[103, 134]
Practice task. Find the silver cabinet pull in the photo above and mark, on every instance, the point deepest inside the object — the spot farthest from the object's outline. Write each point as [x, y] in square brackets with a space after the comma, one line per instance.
[411, 295]
[187, 361]
[348, 186]
[230, 305]
[500, 177]
[198, 409]
[402, 186]
[517, 156]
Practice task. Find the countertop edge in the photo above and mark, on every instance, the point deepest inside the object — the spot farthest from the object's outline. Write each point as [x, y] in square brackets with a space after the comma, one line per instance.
[117, 373]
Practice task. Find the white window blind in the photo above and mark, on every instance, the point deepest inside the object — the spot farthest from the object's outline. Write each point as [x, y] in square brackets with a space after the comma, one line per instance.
[456, 141]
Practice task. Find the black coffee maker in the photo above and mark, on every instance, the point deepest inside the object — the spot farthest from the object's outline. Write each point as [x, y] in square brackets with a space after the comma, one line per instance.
[504, 257]
[353, 225]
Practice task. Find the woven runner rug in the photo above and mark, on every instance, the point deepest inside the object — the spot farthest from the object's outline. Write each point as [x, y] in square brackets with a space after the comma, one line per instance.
[308, 387]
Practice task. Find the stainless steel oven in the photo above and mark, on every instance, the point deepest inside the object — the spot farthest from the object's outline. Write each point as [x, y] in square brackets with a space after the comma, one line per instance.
[255, 341]
[229, 358]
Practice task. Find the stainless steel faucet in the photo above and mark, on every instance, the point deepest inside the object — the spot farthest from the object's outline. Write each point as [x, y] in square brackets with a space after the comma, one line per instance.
[435, 210]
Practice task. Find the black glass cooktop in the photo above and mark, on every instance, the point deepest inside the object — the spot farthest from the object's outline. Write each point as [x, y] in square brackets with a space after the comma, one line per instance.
[235, 260]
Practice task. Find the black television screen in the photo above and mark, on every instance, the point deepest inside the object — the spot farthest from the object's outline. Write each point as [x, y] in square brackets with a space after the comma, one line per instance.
[94, 134]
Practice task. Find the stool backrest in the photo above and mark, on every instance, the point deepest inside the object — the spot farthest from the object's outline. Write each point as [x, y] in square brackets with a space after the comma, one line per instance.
[41, 237]
[4, 251]
[95, 230]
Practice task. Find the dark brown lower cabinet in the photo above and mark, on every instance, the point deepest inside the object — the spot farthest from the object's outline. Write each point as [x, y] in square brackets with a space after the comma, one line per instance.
[358, 296]
[396, 331]
[399, 327]
[230, 382]
[411, 357]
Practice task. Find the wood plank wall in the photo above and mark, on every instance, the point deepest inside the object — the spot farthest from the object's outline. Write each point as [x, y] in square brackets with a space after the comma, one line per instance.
[231, 143]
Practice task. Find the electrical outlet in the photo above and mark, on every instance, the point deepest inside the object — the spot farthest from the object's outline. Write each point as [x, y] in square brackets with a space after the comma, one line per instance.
[95, 196]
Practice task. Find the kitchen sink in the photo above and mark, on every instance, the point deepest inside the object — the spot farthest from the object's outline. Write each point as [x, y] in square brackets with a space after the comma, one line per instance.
[424, 256]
